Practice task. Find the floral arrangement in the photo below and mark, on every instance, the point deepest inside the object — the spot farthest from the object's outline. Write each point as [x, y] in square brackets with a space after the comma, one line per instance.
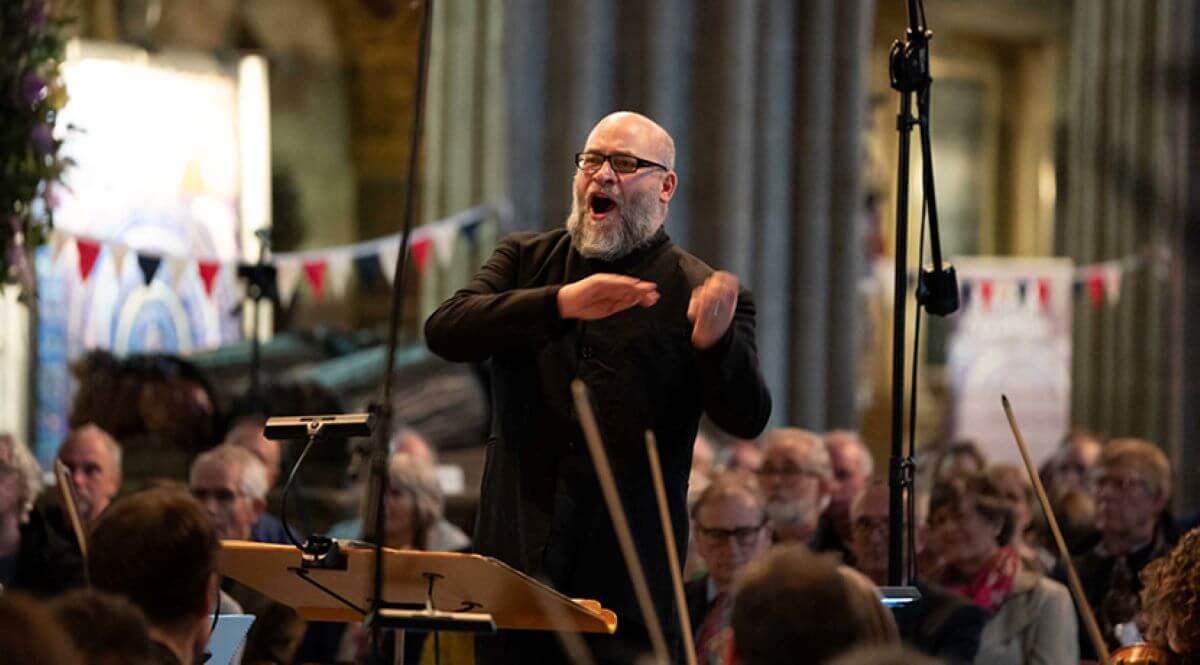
[31, 95]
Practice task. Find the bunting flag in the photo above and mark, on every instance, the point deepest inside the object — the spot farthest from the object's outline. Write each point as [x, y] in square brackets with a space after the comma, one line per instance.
[287, 276]
[1076, 288]
[1112, 282]
[966, 294]
[470, 230]
[420, 253]
[175, 268]
[208, 271]
[339, 273]
[1043, 292]
[315, 272]
[985, 292]
[149, 265]
[88, 251]
[57, 242]
[444, 236]
[370, 273]
[1022, 288]
[118, 257]
[1095, 286]
[389, 253]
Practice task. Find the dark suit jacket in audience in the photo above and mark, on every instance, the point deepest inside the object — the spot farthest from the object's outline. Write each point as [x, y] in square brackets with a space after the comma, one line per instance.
[695, 593]
[942, 624]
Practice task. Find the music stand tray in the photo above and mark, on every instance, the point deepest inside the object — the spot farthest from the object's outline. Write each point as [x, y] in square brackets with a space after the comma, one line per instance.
[472, 586]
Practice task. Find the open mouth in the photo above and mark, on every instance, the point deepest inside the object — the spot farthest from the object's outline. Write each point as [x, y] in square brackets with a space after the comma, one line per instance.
[601, 204]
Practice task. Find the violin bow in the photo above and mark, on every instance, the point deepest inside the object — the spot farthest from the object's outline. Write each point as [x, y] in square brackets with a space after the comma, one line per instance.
[1089, 618]
[664, 517]
[608, 485]
[67, 492]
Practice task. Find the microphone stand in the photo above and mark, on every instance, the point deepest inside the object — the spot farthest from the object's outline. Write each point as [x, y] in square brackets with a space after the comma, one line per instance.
[937, 290]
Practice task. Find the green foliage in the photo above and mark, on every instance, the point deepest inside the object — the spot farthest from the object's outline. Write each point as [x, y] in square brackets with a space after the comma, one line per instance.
[31, 95]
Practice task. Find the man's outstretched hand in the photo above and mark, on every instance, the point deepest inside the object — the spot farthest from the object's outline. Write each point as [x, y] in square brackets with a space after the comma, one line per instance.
[711, 308]
[603, 295]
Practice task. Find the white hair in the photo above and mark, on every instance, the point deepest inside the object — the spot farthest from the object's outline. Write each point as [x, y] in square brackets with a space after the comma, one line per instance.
[16, 458]
[811, 447]
[252, 473]
[864, 454]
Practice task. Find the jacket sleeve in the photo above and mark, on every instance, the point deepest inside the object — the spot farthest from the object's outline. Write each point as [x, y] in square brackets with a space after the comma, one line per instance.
[1055, 634]
[735, 396]
[490, 314]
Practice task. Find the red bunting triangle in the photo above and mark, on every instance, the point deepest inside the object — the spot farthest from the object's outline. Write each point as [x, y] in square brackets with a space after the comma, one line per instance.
[1043, 292]
[420, 253]
[315, 272]
[1095, 286]
[985, 292]
[88, 251]
[208, 274]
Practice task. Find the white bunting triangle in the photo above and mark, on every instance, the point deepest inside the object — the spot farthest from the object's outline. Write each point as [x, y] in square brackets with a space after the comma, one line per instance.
[287, 278]
[389, 251]
[57, 241]
[175, 267]
[118, 257]
[1112, 281]
[444, 236]
[340, 265]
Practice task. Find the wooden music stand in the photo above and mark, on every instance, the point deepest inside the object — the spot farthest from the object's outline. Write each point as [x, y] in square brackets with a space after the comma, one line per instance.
[470, 587]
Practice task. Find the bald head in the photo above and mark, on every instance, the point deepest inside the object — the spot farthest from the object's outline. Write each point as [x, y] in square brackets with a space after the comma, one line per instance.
[654, 142]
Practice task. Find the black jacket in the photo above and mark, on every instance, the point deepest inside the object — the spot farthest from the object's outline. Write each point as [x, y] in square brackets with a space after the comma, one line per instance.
[942, 624]
[541, 510]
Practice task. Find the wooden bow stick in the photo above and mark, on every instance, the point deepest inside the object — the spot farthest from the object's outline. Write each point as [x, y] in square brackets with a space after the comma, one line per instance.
[608, 484]
[664, 516]
[1089, 618]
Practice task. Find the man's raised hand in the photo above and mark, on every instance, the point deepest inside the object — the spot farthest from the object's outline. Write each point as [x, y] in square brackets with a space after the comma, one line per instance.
[711, 308]
[603, 295]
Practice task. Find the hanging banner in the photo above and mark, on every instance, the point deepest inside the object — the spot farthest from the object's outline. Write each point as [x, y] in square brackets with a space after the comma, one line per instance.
[1020, 347]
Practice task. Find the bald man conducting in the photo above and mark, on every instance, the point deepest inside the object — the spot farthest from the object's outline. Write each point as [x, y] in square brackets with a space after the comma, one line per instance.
[659, 338]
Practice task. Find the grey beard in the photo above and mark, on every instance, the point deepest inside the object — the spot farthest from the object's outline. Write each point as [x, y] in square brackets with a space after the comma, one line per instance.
[634, 228]
[790, 513]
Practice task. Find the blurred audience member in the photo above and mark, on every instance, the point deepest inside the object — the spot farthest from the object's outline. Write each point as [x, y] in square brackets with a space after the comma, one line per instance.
[1070, 465]
[867, 601]
[958, 458]
[38, 552]
[744, 455]
[93, 460]
[852, 465]
[698, 479]
[729, 523]
[30, 635]
[1013, 482]
[20, 484]
[1132, 484]
[106, 628]
[793, 606]
[231, 484]
[796, 476]
[442, 536]
[1032, 620]
[248, 433]
[941, 623]
[1170, 599]
[158, 548]
[884, 655]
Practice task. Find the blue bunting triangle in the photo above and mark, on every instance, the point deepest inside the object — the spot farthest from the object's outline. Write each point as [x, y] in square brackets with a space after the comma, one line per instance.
[370, 275]
[149, 265]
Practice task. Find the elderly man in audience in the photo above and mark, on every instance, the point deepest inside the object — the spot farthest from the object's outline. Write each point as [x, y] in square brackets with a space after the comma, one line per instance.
[1132, 484]
[93, 460]
[158, 548]
[231, 485]
[1071, 464]
[941, 623]
[1032, 620]
[729, 526]
[248, 433]
[793, 606]
[797, 476]
[744, 455]
[852, 466]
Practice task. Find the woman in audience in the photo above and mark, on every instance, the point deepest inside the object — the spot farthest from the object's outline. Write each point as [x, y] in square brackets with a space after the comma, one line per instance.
[1170, 616]
[1032, 618]
[1014, 484]
[960, 457]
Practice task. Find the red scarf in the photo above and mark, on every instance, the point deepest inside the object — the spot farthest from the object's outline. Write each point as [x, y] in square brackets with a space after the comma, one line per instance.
[992, 583]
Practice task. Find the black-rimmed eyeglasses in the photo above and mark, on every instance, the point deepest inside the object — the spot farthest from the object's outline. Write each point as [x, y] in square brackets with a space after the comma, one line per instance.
[590, 162]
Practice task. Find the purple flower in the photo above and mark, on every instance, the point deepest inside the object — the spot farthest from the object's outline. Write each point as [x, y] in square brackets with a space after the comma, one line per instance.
[43, 139]
[35, 12]
[33, 88]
